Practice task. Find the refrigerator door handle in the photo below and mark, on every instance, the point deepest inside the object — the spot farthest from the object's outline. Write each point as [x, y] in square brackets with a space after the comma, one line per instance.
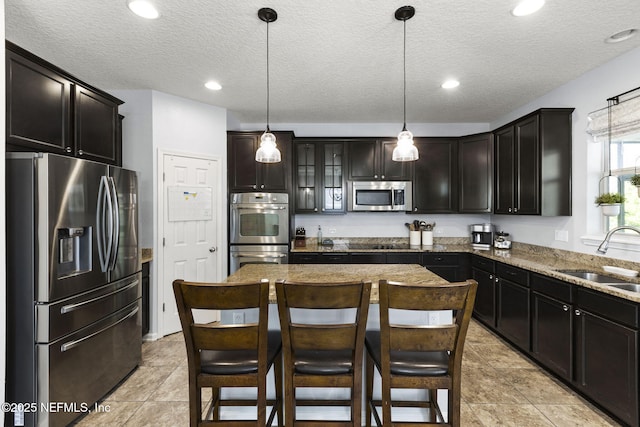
[72, 307]
[115, 219]
[69, 345]
[100, 223]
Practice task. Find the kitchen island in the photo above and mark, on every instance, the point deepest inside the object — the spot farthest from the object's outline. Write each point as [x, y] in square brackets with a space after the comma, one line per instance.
[412, 273]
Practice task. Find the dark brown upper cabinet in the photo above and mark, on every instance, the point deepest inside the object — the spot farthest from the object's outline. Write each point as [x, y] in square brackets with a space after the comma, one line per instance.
[533, 164]
[246, 175]
[435, 178]
[50, 110]
[475, 173]
[319, 167]
[370, 160]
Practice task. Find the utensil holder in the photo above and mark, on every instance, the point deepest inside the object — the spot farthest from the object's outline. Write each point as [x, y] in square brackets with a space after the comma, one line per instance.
[427, 238]
[414, 238]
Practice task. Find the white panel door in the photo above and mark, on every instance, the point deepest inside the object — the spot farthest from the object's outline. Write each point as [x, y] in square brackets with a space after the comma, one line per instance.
[190, 192]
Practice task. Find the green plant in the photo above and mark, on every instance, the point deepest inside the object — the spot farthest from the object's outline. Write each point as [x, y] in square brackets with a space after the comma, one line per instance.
[635, 180]
[609, 199]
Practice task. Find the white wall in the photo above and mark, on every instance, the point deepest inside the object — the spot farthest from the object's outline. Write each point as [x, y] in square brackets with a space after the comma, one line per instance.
[157, 121]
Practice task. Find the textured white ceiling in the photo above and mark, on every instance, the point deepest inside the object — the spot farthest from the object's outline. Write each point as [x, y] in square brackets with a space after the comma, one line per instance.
[331, 61]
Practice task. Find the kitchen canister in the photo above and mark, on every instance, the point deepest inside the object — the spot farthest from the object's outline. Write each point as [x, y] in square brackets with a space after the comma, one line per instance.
[414, 238]
[427, 238]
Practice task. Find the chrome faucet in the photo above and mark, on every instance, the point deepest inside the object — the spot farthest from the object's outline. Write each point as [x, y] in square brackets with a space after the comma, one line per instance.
[605, 243]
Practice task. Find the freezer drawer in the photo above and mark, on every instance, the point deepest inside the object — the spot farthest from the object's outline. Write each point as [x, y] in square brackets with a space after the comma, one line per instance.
[81, 368]
[69, 315]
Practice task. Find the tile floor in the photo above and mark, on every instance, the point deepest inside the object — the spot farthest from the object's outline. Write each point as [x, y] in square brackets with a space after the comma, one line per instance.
[499, 387]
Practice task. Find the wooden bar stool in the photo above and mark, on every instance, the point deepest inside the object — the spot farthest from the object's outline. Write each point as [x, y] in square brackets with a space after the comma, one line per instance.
[419, 356]
[323, 354]
[223, 355]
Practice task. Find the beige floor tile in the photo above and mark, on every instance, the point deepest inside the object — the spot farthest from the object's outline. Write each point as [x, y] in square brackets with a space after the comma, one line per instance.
[112, 414]
[538, 387]
[510, 415]
[176, 388]
[160, 414]
[486, 385]
[468, 417]
[141, 384]
[575, 416]
[165, 353]
[500, 355]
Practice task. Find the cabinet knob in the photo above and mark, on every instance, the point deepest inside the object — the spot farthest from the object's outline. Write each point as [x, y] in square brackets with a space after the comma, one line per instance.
[509, 210]
[262, 186]
[515, 210]
[491, 276]
[255, 186]
[68, 149]
[382, 177]
[415, 209]
[565, 307]
[497, 279]
[315, 209]
[375, 176]
[322, 209]
[80, 152]
[577, 312]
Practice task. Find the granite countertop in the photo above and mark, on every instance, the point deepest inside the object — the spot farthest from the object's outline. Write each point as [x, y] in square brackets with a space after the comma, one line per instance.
[413, 273]
[146, 255]
[530, 257]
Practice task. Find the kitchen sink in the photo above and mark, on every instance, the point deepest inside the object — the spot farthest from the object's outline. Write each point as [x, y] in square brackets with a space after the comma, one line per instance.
[593, 276]
[633, 287]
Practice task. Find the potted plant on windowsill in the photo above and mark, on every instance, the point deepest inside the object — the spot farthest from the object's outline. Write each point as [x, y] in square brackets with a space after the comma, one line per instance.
[610, 203]
[635, 181]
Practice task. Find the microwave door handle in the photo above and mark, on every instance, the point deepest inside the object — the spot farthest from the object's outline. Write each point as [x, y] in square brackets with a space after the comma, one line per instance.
[100, 224]
[274, 208]
[115, 220]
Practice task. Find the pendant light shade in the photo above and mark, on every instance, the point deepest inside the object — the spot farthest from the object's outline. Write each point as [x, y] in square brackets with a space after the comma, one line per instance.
[268, 151]
[405, 151]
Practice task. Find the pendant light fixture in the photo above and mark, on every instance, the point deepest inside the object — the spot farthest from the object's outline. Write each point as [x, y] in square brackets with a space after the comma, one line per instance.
[268, 152]
[405, 151]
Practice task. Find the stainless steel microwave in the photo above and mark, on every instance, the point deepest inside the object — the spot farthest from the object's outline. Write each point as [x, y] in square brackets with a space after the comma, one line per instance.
[380, 196]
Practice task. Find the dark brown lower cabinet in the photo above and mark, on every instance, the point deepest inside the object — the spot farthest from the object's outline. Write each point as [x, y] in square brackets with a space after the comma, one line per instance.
[484, 309]
[512, 317]
[552, 334]
[607, 364]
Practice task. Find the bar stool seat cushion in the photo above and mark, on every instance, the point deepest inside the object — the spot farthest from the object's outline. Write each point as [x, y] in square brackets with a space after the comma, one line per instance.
[236, 362]
[317, 362]
[413, 363]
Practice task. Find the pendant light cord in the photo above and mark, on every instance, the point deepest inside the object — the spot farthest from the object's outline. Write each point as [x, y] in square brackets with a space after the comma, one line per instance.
[404, 74]
[268, 76]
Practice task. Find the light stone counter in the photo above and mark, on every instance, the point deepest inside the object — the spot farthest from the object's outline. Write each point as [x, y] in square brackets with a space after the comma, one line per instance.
[412, 273]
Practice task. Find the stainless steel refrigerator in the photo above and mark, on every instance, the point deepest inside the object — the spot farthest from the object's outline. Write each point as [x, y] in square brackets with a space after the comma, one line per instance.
[73, 284]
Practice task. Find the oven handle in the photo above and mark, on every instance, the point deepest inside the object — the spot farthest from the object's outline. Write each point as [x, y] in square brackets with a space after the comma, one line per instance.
[254, 208]
[249, 255]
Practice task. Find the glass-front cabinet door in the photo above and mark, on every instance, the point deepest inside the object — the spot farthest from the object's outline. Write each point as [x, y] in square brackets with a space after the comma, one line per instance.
[320, 183]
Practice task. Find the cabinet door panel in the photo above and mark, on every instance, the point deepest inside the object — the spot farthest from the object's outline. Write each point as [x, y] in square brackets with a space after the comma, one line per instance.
[504, 140]
[551, 334]
[435, 179]
[484, 308]
[475, 166]
[96, 124]
[242, 162]
[607, 364]
[363, 160]
[527, 151]
[513, 312]
[390, 170]
[38, 107]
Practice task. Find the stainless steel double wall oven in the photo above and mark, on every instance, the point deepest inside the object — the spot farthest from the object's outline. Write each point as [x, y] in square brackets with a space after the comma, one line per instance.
[258, 229]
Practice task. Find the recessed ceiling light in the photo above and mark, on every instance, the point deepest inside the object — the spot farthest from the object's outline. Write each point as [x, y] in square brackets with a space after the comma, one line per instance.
[450, 84]
[212, 85]
[143, 8]
[621, 36]
[527, 7]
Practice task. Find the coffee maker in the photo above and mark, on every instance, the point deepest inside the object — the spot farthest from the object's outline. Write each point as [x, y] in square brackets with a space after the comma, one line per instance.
[482, 235]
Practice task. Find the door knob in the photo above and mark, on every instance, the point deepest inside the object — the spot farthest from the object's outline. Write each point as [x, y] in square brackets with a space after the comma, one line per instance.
[212, 249]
